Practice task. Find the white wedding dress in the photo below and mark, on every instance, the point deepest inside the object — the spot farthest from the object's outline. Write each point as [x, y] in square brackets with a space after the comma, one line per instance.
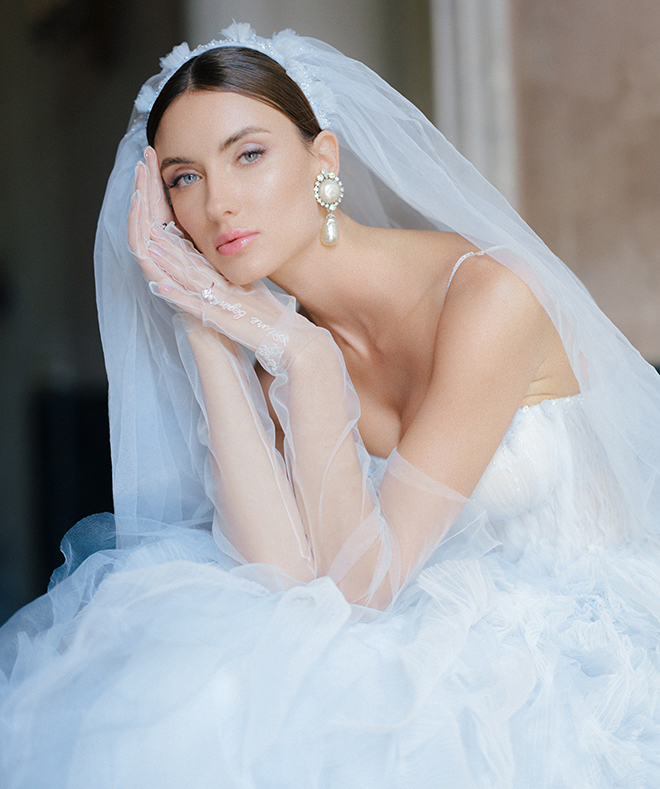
[534, 664]
[524, 654]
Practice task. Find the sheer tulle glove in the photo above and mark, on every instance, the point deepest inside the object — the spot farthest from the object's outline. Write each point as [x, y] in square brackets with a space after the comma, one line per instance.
[178, 273]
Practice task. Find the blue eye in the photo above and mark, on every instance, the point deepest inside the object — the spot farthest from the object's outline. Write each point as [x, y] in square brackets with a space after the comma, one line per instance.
[184, 180]
[253, 155]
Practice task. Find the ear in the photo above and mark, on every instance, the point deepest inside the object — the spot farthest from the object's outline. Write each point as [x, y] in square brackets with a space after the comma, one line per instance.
[325, 150]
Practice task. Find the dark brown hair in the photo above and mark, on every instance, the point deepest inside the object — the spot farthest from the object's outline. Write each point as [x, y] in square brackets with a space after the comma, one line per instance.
[238, 70]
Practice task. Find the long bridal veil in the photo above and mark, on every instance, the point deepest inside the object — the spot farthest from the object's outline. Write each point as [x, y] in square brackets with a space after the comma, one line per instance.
[165, 659]
[397, 170]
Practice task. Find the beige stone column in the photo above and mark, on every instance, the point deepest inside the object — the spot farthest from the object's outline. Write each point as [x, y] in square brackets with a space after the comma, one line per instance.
[352, 27]
[474, 85]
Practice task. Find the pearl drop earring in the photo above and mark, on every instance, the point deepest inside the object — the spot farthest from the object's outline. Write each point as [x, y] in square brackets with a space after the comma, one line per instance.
[328, 191]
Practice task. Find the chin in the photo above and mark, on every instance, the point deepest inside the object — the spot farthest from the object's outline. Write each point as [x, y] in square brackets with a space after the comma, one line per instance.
[240, 278]
[240, 281]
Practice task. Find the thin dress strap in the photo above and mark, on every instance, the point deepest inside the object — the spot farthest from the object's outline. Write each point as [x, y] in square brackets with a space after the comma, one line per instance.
[467, 255]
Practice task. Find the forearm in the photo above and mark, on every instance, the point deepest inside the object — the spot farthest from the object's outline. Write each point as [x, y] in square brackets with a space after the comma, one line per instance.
[256, 504]
[318, 410]
[370, 541]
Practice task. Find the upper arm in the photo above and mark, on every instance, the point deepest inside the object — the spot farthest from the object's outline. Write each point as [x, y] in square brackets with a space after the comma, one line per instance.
[492, 337]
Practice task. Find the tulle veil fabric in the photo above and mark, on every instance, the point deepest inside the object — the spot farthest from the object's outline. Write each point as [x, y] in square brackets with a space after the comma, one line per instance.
[398, 170]
[165, 660]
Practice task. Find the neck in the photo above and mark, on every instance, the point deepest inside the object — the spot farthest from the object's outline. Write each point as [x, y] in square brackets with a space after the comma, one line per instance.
[369, 282]
[341, 287]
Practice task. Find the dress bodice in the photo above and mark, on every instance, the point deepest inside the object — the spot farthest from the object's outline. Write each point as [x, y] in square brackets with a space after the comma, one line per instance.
[532, 461]
[545, 487]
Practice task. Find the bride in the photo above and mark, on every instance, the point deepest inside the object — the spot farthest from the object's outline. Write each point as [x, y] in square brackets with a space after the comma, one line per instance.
[418, 548]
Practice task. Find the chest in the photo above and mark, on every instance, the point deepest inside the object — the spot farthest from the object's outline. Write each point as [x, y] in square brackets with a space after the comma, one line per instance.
[390, 389]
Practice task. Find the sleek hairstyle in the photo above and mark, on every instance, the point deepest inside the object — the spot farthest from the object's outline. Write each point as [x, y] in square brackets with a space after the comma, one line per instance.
[238, 70]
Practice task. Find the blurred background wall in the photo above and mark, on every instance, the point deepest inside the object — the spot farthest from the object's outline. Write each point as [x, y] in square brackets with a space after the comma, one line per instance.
[588, 76]
[557, 103]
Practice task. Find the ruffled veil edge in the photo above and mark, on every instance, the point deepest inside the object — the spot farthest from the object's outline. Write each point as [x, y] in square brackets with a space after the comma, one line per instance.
[398, 170]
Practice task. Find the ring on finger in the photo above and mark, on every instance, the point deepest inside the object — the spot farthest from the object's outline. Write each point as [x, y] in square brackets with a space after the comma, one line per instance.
[207, 295]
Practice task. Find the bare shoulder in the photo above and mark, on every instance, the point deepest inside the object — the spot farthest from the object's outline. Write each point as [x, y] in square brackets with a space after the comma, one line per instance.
[437, 250]
[484, 290]
[491, 322]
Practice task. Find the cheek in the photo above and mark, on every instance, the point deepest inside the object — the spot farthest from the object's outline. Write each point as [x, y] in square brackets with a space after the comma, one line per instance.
[294, 178]
[283, 188]
[187, 218]
[297, 214]
[300, 198]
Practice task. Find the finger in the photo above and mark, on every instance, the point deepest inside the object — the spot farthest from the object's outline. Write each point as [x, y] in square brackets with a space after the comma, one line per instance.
[158, 203]
[139, 241]
[136, 240]
[140, 221]
[188, 302]
[192, 305]
[140, 177]
[138, 224]
[185, 255]
[177, 266]
[133, 213]
[192, 273]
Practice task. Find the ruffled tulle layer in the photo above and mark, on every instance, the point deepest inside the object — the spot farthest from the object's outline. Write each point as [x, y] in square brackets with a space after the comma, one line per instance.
[162, 666]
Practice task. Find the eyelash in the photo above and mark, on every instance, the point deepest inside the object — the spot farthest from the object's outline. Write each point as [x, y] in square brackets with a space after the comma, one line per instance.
[256, 152]
[175, 183]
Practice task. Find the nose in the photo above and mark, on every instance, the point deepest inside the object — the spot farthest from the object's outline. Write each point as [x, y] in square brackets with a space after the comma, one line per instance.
[221, 198]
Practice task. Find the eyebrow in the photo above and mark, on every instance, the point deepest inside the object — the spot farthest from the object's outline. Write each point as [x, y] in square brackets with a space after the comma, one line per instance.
[234, 138]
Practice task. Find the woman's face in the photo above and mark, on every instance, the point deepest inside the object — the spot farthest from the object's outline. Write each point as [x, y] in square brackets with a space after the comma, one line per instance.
[240, 179]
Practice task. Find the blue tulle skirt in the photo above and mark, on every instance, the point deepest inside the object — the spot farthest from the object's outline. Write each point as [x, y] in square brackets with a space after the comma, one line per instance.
[161, 664]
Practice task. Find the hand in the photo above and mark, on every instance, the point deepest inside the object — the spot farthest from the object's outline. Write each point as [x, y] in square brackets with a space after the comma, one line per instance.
[149, 209]
[155, 240]
[177, 272]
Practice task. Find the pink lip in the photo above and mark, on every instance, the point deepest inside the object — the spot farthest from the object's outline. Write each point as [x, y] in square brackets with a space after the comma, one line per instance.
[234, 240]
